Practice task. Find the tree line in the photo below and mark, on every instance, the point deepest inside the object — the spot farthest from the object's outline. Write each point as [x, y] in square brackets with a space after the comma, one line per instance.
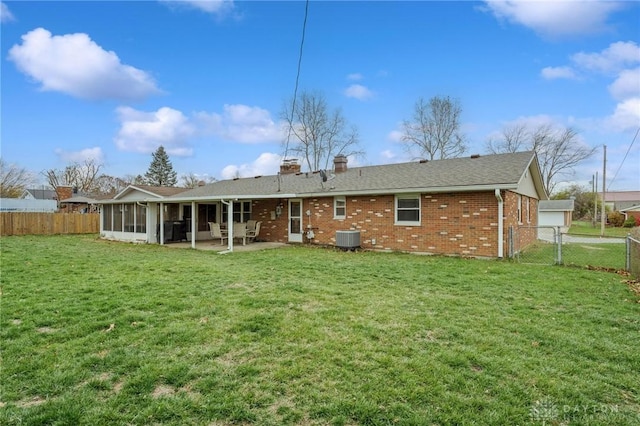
[316, 134]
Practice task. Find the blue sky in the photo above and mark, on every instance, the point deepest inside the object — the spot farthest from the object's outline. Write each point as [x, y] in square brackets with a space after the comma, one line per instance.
[114, 80]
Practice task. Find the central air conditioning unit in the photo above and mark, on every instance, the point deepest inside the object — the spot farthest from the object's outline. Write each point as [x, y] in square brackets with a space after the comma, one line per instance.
[348, 239]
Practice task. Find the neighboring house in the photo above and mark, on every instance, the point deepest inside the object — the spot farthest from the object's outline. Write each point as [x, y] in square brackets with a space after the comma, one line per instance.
[633, 211]
[39, 194]
[79, 204]
[620, 200]
[461, 206]
[28, 205]
[555, 213]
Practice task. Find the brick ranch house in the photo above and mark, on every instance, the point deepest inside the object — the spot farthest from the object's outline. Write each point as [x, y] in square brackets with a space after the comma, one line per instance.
[460, 206]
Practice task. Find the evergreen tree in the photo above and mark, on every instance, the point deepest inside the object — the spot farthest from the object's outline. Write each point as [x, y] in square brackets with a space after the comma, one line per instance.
[161, 171]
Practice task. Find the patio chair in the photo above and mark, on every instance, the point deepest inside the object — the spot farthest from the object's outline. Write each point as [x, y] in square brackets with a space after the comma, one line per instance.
[251, 226]
[252, 234]
[240, 231]
[216, 232]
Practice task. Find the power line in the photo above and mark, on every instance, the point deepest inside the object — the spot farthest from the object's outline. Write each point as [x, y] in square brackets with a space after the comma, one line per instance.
[295, 90]
[625, 157]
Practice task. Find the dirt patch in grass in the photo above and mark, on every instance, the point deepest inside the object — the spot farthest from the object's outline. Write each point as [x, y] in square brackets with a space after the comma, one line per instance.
[117, 387]
[31, 402]
[46, 330]
[162, 390]
[16, 321]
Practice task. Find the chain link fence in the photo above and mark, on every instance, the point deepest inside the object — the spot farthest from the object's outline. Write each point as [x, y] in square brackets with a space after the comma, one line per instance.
[548, 245]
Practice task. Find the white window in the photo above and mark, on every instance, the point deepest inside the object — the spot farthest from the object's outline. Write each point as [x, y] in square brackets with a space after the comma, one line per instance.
[408, 209]
[519, 208]
[339, 208]
[241, 211]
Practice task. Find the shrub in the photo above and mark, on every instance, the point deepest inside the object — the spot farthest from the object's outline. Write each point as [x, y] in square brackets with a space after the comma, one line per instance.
[616, 219]
[630, 222]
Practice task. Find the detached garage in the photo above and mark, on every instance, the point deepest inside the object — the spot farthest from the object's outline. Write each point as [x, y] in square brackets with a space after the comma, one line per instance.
[555, 213]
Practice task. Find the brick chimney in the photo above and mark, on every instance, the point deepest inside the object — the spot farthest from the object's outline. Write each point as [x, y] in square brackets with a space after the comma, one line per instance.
[64, 192]
[289, 167]
[340, 163]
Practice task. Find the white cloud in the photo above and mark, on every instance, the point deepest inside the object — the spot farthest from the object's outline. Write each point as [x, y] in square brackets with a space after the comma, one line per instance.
[614, 58]
[388, 154]
[214, 7]
[355, 76]
[144, 132]
[626, 116]
[266, 164]
[552, 73]
[395, 136]
[76, 65]
[5, 13]
[81, 156]
[241, 123]
[619, 61]
[627, 85]
[556, 18]
[358, 91]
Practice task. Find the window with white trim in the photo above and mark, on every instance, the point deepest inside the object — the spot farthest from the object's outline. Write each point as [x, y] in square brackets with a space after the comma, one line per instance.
[339, 207]
[528, 203]
[408, 209]
[241, 211]
[519, 208]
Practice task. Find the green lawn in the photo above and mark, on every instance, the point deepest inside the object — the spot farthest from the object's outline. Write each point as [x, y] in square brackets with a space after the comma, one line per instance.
[611, 256]
[102, 333]
[587, 228]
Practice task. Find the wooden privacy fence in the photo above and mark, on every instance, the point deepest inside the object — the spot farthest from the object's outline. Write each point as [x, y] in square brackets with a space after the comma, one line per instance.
[18, 223]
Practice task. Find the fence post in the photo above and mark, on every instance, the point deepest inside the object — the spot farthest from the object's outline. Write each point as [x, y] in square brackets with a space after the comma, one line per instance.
[627, 260]
[510, 243]
[558, 239]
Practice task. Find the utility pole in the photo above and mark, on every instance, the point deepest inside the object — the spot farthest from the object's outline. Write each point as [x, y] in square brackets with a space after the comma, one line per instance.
[603, 215]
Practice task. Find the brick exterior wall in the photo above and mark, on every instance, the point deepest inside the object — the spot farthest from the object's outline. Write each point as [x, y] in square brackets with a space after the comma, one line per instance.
[457, 223]
[527, 233]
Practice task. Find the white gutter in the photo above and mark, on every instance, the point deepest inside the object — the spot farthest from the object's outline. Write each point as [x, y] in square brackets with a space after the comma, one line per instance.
[500, 224]
[229, 204]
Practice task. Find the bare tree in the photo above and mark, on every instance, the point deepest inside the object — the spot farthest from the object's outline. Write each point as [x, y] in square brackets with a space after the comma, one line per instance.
[319, 134]
[435, 129]
[558, 149]
[82, 176]
[108, 185]
[192, 180]
[14, 180]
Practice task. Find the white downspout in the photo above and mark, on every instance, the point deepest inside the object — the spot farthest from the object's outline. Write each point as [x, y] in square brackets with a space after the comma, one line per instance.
[194, 218]
[500, 224]
[229, 204]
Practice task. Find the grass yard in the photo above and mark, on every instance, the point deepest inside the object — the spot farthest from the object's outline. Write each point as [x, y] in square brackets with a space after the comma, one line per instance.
[611, 256]
[586, 228]
[103, 333]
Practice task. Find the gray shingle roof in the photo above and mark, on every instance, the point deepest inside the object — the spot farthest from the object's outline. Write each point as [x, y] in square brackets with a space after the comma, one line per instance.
[467, 173]
[555, 205]
[42, 194]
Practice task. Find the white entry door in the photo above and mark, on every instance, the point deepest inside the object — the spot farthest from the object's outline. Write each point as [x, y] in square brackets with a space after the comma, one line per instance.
[295, 221]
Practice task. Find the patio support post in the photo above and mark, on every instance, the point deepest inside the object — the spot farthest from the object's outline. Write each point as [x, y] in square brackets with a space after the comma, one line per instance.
[194, 219]
[161, 223]
[229, 205]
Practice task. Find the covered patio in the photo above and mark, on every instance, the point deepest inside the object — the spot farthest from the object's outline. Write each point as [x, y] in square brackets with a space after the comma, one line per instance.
[216, 246]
